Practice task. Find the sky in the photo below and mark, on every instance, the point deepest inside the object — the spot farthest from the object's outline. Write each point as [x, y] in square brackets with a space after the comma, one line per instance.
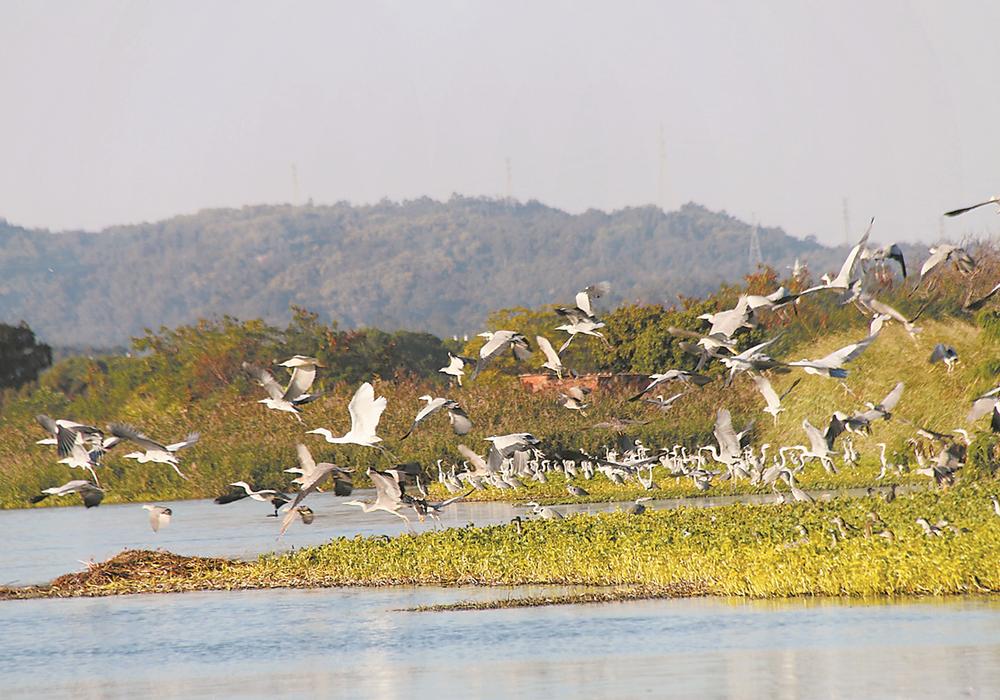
[791, 113]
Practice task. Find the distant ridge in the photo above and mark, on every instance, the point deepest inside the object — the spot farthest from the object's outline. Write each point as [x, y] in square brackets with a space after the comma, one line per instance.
[420, 264]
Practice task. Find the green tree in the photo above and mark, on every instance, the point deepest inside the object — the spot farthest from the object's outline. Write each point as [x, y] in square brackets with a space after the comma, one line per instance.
[22, 357]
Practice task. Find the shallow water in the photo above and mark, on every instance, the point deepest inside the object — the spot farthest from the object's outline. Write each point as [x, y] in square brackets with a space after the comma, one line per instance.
[355, 643]
[43, 543]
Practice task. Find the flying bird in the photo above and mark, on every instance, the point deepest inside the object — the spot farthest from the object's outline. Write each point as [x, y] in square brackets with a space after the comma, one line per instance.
[679, 375]
[845, 277]
[887, 252]
[959, 212]
[456, 367]
[975, 305]
[152, 451]
[296, 393]
[584, 309]
[92, 495]
[365, 411]
[832, 365]
[552, 361]
[159, 516]
[313, 476]
[771, 396]
[388, 495]
[943, 253]
[459, 420]
[662, 403]
[496, 343]
[275, 498]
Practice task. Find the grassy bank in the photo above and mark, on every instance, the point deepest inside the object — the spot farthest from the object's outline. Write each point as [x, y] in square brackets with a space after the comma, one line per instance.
[743, 550]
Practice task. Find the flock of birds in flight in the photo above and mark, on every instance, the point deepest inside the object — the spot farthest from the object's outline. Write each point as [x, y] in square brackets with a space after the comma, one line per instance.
[515, 458]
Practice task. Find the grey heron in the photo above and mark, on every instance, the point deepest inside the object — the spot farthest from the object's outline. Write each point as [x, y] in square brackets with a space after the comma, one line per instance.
[637, 507]
[159, 516]
[672, 375]
[832, 365]
[943, 253]
[424, 508]
[975, 305]
[365, 411]
[496, 343]
[152, 451]
[92, 495]
[664, 404]
[312, 477]
[275, 498]
[456, 367]
[962, 210]
[845, 277]
[577, 491]
[459, 420]
[886, 252]
[544, 512]
[584, 326]
[946, 354]
[996, 505]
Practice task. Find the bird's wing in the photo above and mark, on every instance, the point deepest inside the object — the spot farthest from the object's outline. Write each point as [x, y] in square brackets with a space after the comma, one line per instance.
[47, 423]
[474, 459]
[460, 421]
[816, 438]
[365, 410]
[265, 379]
[519, 346]
[186, 442]
[939, 255]
[958, 212]
[302, 379]
[91, 495]
[231, 497]
[981, 301]
[896, 253]
[892, 398]
[306, 460]
[725, 435]
[66, 440]
[495, 344]
[980, 407]
[127, 432]
[788, 391]
[551, 356]
[847, 353]
[884, 308]
[154, 519]
[767, 391]
[594, 291]
[385, 485]
[847, 268]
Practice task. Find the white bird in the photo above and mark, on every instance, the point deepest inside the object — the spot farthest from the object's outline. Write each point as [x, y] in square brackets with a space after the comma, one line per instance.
[946, 354]
[984, 404]
[887, 252]
[496, 343]
[820, 447]
[152, 451]
[584, 309]
[544, 512]
[771, 396]
[80, 457]
[832, 365]
[875, 306]
[573, 403]
[388, 495]
[456, 367]
[296, 393]
[91, 494]
[552, 361]
[159, 516]
[584, 326]
[365, 411]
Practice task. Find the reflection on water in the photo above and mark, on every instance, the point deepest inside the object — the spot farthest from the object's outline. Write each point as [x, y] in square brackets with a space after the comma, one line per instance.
[355, 643]
[41, 544]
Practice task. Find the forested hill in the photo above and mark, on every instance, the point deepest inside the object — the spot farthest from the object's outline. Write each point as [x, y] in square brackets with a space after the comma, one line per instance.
[423, 264]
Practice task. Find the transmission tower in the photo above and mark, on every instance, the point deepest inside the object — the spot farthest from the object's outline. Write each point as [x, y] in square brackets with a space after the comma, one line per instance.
[755, 257]
[510, 181]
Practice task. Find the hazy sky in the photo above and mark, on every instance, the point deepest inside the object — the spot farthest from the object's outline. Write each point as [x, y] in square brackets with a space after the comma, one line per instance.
[119, 112]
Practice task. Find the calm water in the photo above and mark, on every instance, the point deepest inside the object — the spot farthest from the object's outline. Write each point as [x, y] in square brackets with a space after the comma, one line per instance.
[41, 544]
[355, 643]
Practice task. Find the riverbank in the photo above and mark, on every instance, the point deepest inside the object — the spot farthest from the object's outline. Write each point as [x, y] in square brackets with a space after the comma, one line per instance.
[844, 547]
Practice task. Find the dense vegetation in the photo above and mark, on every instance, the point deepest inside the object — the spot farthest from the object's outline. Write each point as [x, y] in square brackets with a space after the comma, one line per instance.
[757, 551]
[438, 266]
[189, 378]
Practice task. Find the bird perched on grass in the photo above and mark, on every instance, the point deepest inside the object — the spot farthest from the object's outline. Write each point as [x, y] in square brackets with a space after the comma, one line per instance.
[946, 354]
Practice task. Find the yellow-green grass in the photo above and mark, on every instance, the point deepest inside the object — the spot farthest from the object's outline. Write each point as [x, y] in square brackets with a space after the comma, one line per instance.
[742, 550]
